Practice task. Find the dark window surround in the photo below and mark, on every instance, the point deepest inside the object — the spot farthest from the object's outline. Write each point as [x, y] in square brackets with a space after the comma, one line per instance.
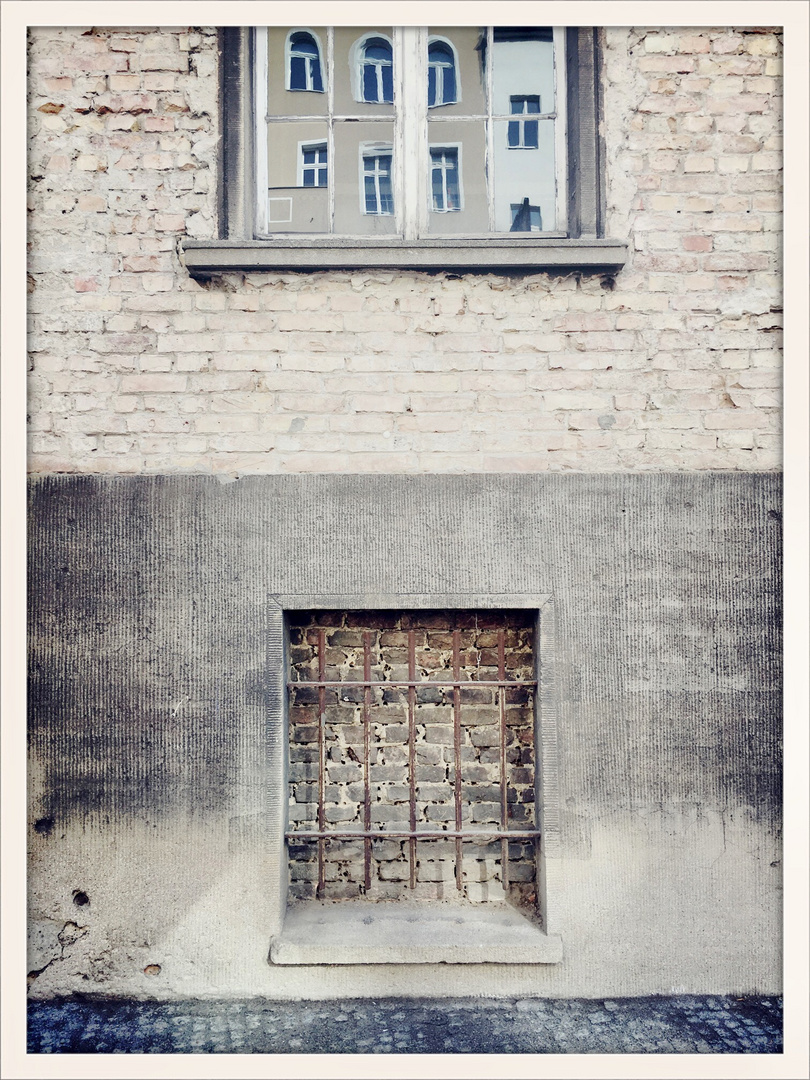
[585, 248]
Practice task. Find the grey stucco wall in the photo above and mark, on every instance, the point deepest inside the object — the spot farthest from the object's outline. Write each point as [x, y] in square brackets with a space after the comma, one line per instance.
[149, 683]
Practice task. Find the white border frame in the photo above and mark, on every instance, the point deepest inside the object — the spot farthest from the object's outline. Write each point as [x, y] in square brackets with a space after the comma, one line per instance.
[16, 16]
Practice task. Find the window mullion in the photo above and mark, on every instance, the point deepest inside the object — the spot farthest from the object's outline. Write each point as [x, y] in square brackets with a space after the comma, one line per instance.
[490, 132]
[560, 129]
[410, 121]
[330, 125]
[260, 74]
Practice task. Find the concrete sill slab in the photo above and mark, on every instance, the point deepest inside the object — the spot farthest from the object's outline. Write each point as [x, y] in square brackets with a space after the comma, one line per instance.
[411, 933]
[205, 257]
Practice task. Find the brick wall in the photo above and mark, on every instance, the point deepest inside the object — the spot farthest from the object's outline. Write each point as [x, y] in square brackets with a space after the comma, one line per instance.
[135, 367]
[434, 753]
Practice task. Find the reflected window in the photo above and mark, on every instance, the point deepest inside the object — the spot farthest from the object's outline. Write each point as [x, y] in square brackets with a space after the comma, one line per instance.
[377, 70]
[444, 179]
[304, 63]
[525, 217]
[522, 134]
[442, 74]
[378, 195]
[313, 164]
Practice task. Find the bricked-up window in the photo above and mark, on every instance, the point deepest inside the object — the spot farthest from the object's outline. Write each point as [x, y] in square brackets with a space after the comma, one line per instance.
[412, 756]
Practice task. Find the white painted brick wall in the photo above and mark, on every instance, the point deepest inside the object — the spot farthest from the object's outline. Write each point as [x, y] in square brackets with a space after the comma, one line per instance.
[135, 367]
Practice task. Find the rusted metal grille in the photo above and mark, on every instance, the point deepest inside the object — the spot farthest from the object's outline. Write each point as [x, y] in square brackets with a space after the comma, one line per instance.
[363, 693]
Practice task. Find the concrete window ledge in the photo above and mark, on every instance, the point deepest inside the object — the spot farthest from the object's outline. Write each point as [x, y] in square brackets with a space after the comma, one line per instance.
[205, 257]
[411, 933]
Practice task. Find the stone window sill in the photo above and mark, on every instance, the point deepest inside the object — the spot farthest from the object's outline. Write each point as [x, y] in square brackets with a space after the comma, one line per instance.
[205, 257]
[411, 933]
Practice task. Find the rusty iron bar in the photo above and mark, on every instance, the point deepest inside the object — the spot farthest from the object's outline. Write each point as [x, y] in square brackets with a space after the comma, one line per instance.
[321, 756]
[445, 834]
[504, 802]
[366, 725]
[470, 683]
[412, 753]
[457, 749]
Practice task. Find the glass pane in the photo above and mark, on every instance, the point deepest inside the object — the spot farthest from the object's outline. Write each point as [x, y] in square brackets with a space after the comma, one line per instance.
[431, 87]
[364, 166]
[360, 52]
[523, 67]
[525, 179]
[297, 176]
[457, 188]
[465, 89]
[303, 55]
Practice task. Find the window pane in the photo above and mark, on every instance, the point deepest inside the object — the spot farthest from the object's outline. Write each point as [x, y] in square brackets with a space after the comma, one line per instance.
[351, 60]
[525, 174]
[463, 86]
[280, 100]
[457, 197]
[297, 177]
[388, 83]
[370, 90]
[449, 94]
[431, 87]
[298, 78]
[523, 66]
[364, 168]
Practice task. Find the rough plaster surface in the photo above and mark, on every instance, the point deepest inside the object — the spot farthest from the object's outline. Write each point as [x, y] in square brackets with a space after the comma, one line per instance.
[154, 805]
[673, 364]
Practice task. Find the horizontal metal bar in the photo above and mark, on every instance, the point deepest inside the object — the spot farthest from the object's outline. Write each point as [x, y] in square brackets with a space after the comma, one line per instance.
[450, 682]
[450, 834]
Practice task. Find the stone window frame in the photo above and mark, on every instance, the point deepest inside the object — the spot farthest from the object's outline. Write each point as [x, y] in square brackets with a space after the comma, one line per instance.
[547, 805]
[585, 248]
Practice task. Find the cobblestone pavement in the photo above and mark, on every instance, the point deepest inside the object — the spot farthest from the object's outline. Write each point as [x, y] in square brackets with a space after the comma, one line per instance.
[705, 1025]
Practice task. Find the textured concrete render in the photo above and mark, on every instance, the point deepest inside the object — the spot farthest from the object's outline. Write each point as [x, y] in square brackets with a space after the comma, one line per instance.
[411, 933]
[684, 1025]
[158, 793]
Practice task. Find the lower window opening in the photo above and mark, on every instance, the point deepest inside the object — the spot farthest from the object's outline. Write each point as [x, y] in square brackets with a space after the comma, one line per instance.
[412, 757]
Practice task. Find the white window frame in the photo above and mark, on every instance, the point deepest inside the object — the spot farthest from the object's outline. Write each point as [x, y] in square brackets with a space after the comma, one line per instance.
[288, 46]
[375, 150]
[443, 146]
[416, 127]
[313, 144]
[438, 39]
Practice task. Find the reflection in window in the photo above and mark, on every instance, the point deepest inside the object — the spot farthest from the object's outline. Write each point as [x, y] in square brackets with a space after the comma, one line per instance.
[525, 217]
[304, 63]
[377, 70]
[378, 196]
[442, 80]
[313, 164]
[522, 134]
[444, 177]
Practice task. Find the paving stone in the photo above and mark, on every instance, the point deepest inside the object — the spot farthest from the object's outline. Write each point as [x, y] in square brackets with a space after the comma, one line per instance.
[680, 1025]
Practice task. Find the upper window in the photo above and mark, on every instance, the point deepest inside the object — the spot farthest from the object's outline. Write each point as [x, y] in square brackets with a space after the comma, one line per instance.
[523, 134]
[485, 137]
[442, 73]
[304, 62]
[401, 143]
[376, 75]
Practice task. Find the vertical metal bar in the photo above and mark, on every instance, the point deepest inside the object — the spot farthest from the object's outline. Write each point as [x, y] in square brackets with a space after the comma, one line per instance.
[457, 746]
[501, 691]
[321, 755]
[366, 722]
[412, 749]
